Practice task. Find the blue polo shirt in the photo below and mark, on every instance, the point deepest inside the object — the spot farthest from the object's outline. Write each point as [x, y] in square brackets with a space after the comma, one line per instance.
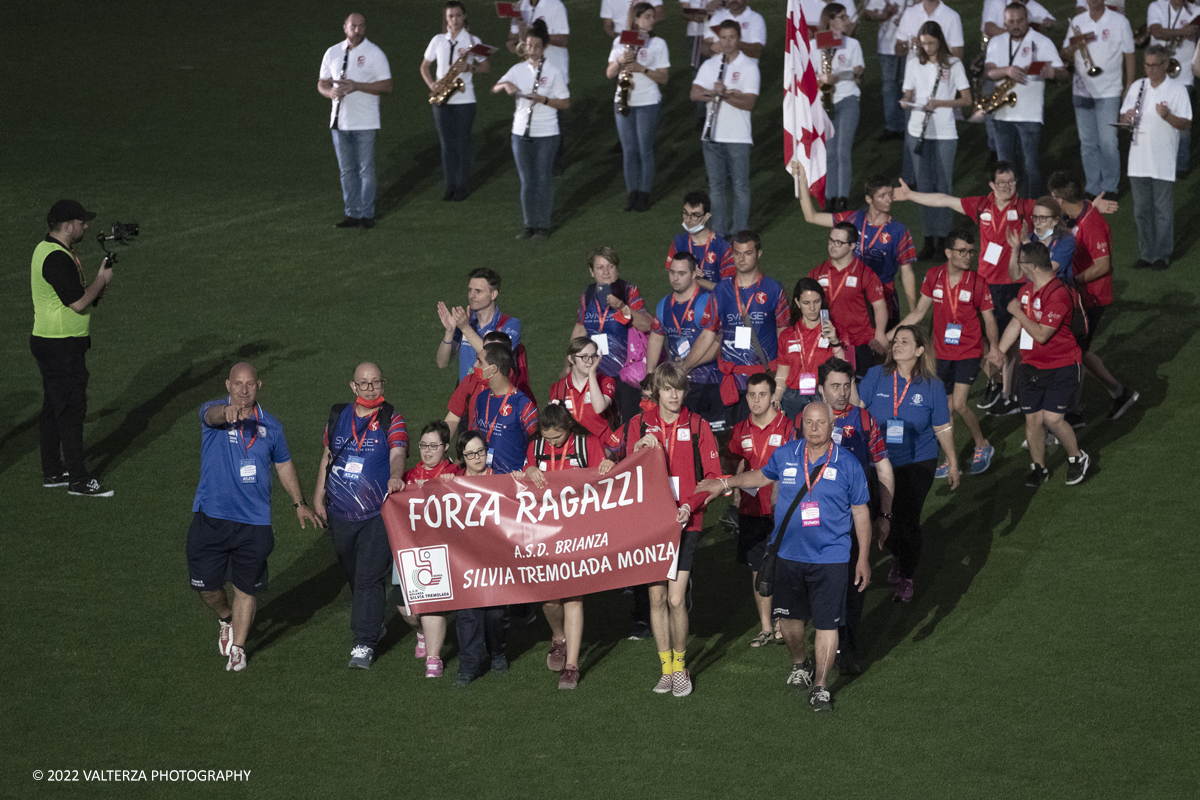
[466, 353]
[361, 455]
[923, 408]
[843, 484]
[235, 466]
[507, 422]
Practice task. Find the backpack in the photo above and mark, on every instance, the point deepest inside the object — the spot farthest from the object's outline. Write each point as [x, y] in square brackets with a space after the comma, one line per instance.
[386, 410]
[539, 449]
[1080, 326]
[520, 364]
[693, 426]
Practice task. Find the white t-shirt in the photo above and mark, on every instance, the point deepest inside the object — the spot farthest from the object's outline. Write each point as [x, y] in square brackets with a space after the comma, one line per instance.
[695, 28]
[555, 15]
[733, 124]
[367, 64]
[993, 12]
[845, 59]
[552, 85]
[618, 11]
[885, 43]
[653, 56]
[1114, 38]
[443, 54]
[1161, 13]
[910, 25]
[1003, 52]
[813, 8]
[754, 27]
[919, 78]
[1152, 154]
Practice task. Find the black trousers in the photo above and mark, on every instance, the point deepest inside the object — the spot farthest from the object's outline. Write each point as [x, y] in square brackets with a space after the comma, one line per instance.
[63, 365]
[366, 559]
[913, 482]
[480, 632]
[628, 399]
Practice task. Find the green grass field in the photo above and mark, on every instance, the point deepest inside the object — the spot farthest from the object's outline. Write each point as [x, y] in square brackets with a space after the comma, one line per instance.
[1047, 652]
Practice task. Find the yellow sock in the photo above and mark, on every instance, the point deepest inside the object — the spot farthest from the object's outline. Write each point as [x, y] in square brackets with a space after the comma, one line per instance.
[665, 657]
[676, 661]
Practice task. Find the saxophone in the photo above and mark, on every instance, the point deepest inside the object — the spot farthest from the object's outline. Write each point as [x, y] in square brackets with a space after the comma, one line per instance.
[448, 84]
[827, 89]
[1001, 97]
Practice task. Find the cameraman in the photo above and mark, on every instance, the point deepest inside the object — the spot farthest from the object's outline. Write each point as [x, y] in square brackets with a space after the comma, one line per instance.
[61, 311]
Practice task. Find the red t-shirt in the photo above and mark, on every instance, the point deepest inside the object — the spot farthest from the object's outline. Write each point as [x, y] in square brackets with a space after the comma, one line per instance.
[850, 292]
[1093, 240]
[579, 403]
[1050, 306]
[959, 305]
[423, 473]
[803, 350]
[754, 445]
[994, 223]
[565, 457]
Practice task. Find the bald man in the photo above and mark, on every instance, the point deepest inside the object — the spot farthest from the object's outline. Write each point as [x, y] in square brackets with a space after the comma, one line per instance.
[230, 536]
[366, 444]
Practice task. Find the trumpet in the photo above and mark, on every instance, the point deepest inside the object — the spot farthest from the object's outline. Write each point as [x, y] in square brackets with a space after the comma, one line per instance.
[1086, 54]
[1173, 65]
[998, 99]
[448, 84]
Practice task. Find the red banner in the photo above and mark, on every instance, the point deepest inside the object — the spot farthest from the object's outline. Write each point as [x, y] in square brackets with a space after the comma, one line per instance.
[496, 540]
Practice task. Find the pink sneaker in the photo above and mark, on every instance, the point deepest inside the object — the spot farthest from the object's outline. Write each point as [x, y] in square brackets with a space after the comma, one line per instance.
[225, 638]
[569, 679]
[556, 659]
[419, 652]
[433, 667]
[681, 683]
[237, 659]
[904, 590]
[663, 686]
[894, 577]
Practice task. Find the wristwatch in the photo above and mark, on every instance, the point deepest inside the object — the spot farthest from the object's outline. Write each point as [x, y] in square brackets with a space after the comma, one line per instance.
[887, 515]
[303, 503]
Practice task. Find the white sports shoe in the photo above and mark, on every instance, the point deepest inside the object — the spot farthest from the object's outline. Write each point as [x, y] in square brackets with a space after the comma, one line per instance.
[237, 659]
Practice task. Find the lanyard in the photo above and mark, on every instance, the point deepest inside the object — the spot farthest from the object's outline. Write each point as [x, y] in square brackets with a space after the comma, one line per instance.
[878, 233]
[951, 299]
[702, 259]
[252, 438]
[669, 444]
[1013, 53]
[487, 417]
[760, 456]
[577, 397]
[811, 355]
[828, 456]
[678, 324]
[833, 293]
[602, 314]
[367, 427]
[439, 469]
[737, 294]
[896, 401]
[554, 457]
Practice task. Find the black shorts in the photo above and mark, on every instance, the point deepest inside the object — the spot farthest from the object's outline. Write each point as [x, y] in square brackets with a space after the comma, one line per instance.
[1002, 295]
[687, 549]
[814, 592]
[1050, 390]
[753, 533]
[220, 551]
[705, 399]
[952, 372]
[1094, 314]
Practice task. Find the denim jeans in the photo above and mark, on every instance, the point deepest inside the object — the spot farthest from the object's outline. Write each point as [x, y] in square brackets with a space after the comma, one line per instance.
[892, 69]
[1154, 213]
[535, 166]
[481, 632]
[727, 162]
[366, 559]
[934, 168]
[356, 160]
[837, 170]
[1094, 118]
[636, 133]
[1185, 135]
[1018, 143]
[453, 124]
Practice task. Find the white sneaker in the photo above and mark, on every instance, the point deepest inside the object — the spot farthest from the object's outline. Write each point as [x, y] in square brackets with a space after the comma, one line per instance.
[225, 639]
[361, 656]
[237, 659]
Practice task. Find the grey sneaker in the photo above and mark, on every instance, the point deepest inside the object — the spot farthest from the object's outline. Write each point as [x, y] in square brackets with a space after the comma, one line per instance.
[819, 699]
[1077, 468]
[91, 488]
[801, 675]
[663, 686]
[362, 656]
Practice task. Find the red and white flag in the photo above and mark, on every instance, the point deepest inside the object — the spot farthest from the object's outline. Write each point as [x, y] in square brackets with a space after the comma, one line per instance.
[806, 127]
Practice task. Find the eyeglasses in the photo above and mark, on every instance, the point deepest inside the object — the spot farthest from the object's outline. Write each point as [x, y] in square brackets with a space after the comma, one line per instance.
[967, 252]
[1006, 184]
[838, 242]
[375, 384]
[1044, 217]
[474, 454]
[592, 357]
[696, 215]
[429, 447]
[1155, 64]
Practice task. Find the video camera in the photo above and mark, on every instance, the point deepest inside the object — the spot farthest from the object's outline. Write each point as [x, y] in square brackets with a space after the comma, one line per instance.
[121, 233]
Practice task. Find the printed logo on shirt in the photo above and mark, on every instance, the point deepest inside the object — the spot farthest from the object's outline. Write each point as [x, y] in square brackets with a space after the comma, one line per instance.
[775, 440]
[737, 76]
[847, 431]
[711, 258]
[373, 425]
[505, 410]
[985, 216]
[1104, 35]
[916, 399]
[362, 61]
[690, 316]
[1102, 247]
[886, 238]
[262, 431]
[542, 81]
[761, 298]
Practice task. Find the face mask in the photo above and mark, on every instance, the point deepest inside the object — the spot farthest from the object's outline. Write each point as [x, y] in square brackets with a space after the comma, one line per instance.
[699, 226]
[478, 373]
[378, 401]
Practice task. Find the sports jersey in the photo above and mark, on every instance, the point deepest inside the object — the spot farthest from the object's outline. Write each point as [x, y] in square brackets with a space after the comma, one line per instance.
[922, 408]
[579, 401]
[235, 466]
[1062, 252]
[957, 305]
[754, 445]
[423, 473]
[506, 422]
[554, 458]
[681, 324]
[850, 292]
[500, 322]
[1093, 241]
[883, 248]
[994, 223]
[609, 323]
[361, 462]
[839, 486]
[855, 430]
[803, 350]
[766, 305]
[715, 256]
[1050, 306]
[462, 401]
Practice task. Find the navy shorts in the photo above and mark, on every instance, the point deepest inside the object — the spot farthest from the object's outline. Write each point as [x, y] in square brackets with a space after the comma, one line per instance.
[952, 372]
[220, 551]
[814, 592]
[687, 549]
[1002, 295]
[1050, 390]
[753, 533]
[705, 399]
[1094, 314]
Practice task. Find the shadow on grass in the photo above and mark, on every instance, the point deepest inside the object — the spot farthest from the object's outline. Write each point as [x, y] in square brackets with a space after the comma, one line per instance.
[22, 438]
[314, 581]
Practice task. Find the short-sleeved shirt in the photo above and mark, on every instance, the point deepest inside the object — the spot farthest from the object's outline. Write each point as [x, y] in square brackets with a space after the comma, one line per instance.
[553, 458]
[754, 28]
[443, 50]
[1093, 241]
[1062, 252]
[803, 350]
[618, 12]
[733, 124]
[959, 305]
[1161, 12]
[681, 323]
[923, 407]
[766, 303]
[842, 485]
[754, 445]
[1031, 96]
[462, 401]
[813, 9]
[606, 320]
[1152, 154]
[1114, 38]
[850, 292]
[915, 17]
[550, 84]
[235, 466]
[499, 322]
[423, 473]
[555, 15]
[64, 274]
[993, 12]
[920, 80]
[715, 256]
[884, 248]
[856, 431]
[579, 402]
[358, 111]
[652, 55]
[506, 422]
[885, 37]
[360, 454]
[1050, 306]
[845, 59]
[994, 223]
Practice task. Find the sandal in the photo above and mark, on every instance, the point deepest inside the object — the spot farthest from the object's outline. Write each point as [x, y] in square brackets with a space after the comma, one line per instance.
[762, 640]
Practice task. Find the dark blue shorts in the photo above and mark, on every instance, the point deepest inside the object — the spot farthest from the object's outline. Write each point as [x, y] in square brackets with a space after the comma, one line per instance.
[1002, 295]
[814, 592]
[1050, 390]
[687, 550]
[753, 533]
[952, 372]
[220, 551]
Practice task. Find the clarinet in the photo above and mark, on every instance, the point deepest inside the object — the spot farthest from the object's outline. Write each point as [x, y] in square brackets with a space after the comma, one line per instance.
[537, 79]
[714, 107]
[337, 104]
[920, 145]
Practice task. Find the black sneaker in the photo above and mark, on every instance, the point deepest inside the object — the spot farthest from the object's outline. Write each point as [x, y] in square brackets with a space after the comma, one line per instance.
[1037, 476]
[801, 675]
[639, 631]
[56, 481]
[819, 699]
[1160, 265]
[1077, 468]
[1005, 407]
[367, 222]
[91, 488]
[1076, 421]
[526, 234]
[990, 395]
[348, 222]
[847, 664]
[1141, 263]
[1121, 404]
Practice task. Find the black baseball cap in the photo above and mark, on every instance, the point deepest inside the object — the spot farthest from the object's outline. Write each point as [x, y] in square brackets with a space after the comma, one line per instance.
[67, 210]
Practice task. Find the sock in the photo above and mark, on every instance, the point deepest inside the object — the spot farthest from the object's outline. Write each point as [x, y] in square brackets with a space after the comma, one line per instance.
[676, 661]
[432, 661]
[665, 657]
[420, 636]
[227, 620]
[1117, 392]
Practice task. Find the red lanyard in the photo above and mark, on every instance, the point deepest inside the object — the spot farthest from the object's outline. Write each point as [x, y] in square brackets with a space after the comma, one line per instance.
[602, 314]
[878, 233]
[737, 294]
[669, 444]
[554, 458]
[951, 298]
[487, 417]
[760, 456]
[896, 401]
[703, 258]
[999, 222]
[367, 427]
[439, 469]
[833, 294]
[252, 438]
[678, 324]
[812, 353]
[828, 456]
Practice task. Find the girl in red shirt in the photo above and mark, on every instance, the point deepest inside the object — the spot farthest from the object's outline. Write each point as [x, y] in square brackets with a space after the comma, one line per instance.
[809, 343]
[585, 391]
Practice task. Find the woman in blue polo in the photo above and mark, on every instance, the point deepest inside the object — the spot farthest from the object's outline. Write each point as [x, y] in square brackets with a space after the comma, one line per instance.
[906, 397]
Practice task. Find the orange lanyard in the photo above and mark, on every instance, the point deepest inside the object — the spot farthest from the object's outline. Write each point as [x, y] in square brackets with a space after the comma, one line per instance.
[896, 401]
[703, 259]
[602, 314]
[760, 455]
[833, 293]
[811, 356]
[828, 455]
[669, 444]
[951, 298]
[354, 429]
[695, 294]
[252, 438]
[878, 233]
[577, 399]
[487, 417]
[737, 294]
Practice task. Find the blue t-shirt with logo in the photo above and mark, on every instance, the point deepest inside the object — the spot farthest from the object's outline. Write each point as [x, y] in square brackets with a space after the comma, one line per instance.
[361, 455]
[923, 408]
[507, 422]
[235, 466]
[766, 304]
[681, 324]
[466, 353]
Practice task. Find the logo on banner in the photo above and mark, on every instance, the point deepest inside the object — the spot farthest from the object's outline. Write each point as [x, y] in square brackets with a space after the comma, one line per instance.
[426, 573]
